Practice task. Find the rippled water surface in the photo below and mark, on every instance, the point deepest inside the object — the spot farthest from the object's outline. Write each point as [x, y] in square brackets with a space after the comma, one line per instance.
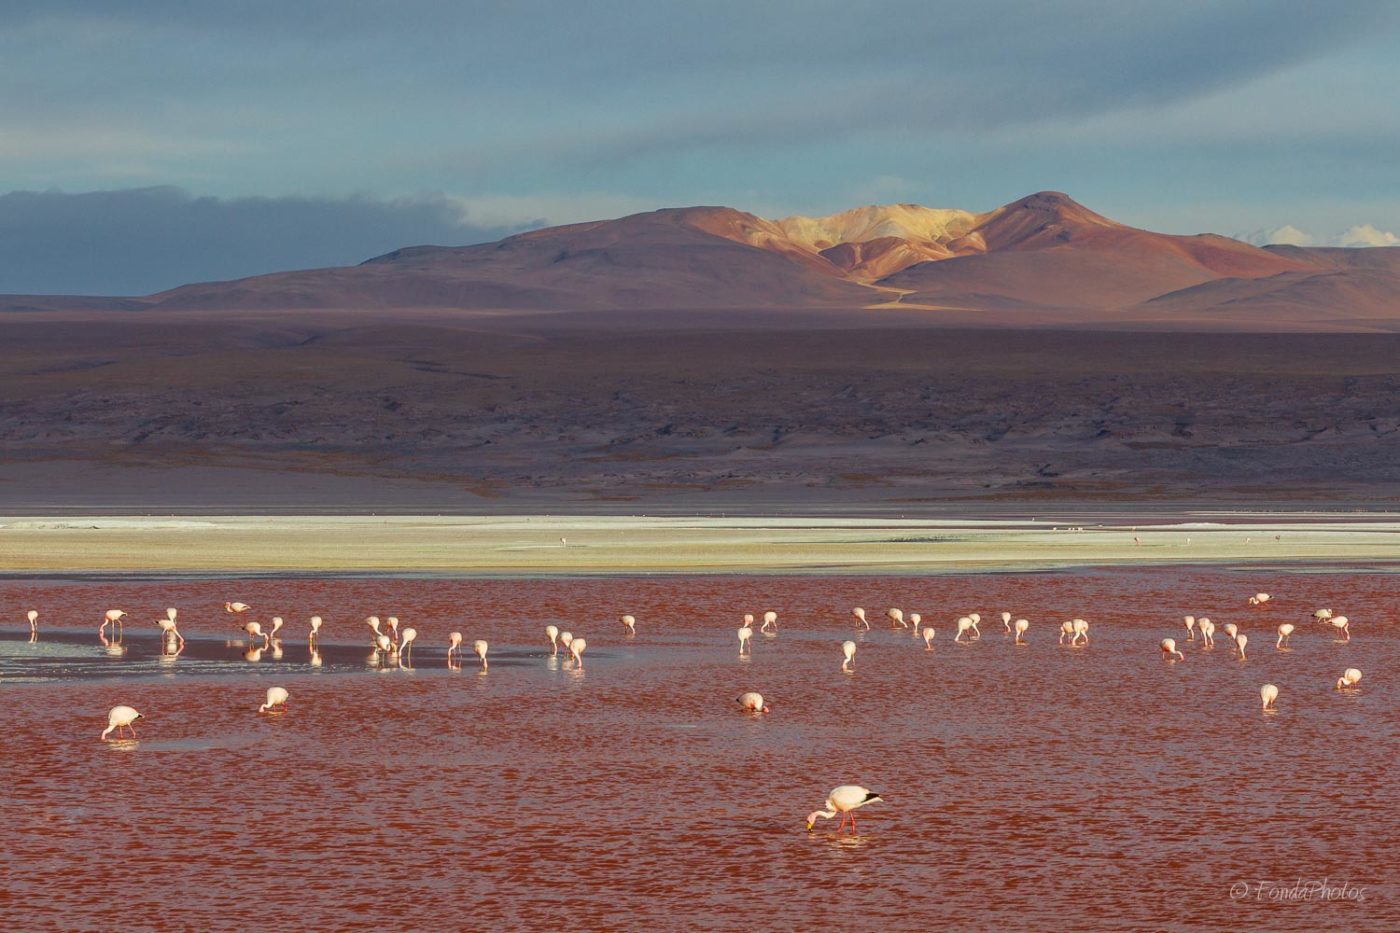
[1038, 787]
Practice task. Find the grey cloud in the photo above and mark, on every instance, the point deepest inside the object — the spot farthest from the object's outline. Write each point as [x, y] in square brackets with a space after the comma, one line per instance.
[142, 240]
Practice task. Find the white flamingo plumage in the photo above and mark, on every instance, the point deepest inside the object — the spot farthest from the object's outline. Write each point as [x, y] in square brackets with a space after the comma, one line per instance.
[1267, 695]
[1066, 628]
[630, 623]
[1207, 633]
[964, 625]
[454, 645]
[236, 608]
[859, 613]
[752, 702]
[1343, 625]
[119, 718]
[770, 618]
[1350, 678]
[276, 700]
[1006, 622]
[576, 648]
[406, 644]
[1168, 646]
[745, 635]
[552, 633]
[848, 653]
[1081, 632]
[479, 646]
[896, 618]
[1284, 631]
[929, 634]
[845, 800]
[1190, 627]
[1240, 641]
[1021, 626]
[1259, 599]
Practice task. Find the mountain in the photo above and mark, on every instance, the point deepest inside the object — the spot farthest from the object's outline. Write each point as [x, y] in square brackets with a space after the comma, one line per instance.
[1043, 259]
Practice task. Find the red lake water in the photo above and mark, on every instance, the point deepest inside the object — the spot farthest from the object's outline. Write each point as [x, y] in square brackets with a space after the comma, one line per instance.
[1035, 787]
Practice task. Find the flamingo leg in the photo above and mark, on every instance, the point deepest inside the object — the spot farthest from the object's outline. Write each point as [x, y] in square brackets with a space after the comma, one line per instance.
[853, 822]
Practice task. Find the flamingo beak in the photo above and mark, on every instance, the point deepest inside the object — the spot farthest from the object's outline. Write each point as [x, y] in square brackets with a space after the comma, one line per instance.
[809, 827]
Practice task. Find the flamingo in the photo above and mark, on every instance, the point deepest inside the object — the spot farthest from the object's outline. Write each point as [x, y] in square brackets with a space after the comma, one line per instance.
[1006, 621]
[1021, 626]
[964, 624]
[848, 649]
[1207, 633]
[121, 717]
[745, 633]
[276, 697]
[1350, 678]
[393, 623]
[1190, 628]
[112, 617]
[552, 633]
[480, 646]
[576, 648]
[1231, 630]
[406, 646]
[276, 624]
[1240, 641]
[1066, 628]
[752, 702]
[1081, 630]
[254, 630]
[454, 645]
[1268, 694]
[769, 618]
[1343, 625]
[383, 644]
[566, 639]
[236, 608]
[915, 620]
[1284, 630]
[631, 624]
[33, 617]
[1168, 646]
[928, 637]
[167, 628]
[315, 628]
[845, 800]
[1322, 615]
[975, 619]
[1259, 599]
[896, 618]
[373, 623]
[859, 613]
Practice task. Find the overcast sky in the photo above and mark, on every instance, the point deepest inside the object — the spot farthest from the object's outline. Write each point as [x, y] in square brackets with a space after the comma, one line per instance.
[146, 144]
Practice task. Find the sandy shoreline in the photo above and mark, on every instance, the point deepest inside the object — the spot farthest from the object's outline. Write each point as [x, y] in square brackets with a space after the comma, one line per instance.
[531, 545]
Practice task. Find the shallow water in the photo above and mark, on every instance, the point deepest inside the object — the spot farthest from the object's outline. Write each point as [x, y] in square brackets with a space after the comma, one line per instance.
[1035, 787]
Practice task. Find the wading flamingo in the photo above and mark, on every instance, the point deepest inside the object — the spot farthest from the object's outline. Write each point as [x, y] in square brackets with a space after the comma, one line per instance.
[1081, 631]
[1284, 630]
[769, 618]
[1267, 695]
[848, 651]
[630, 623]
[1066, 628]
[1190, 628]
[1207, 633]
[1350, 678]
[167, 628]
[976, 632]
[752, 702]
[845, 800]
[236, 608]
[859, 613]
[33, 617]
[393, 623]
[480, 646]
[406, 646]
[566, 639]
[276, 625]
[745, 633]
[1259, 599]
[964, 624]
[254, 630]
[915, 620]
[1168, 646]
[928, 637]
[1322, 615]
[454, 645]
[576, 648]
[1006, 621]
[276, 700]
[552, 633]
[1240, 641]
[315, 627]
[1343, 625]
[373, 623]
[896, 618]
[121, 717]
[1231, 630]
[112, 617]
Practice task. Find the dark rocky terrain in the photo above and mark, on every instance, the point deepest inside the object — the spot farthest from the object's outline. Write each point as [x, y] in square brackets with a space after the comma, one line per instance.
[326, 410]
